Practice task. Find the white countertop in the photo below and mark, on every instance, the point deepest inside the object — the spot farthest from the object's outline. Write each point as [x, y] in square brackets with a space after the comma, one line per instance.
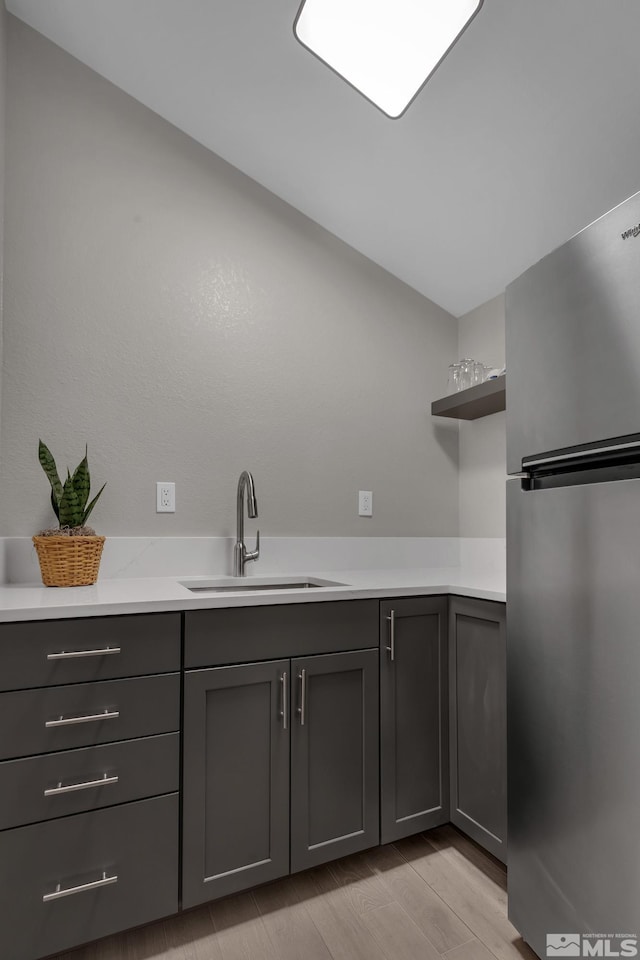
[158, 594]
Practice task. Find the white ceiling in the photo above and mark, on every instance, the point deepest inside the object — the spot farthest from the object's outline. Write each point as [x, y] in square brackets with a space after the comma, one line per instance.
[528, 130]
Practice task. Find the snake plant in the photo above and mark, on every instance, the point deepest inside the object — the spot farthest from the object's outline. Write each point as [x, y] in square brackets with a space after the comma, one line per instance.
[69, 500]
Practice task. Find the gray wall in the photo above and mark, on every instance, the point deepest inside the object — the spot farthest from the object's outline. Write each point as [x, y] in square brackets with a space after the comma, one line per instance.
[189, 324]
[3, 85]
[483, 442]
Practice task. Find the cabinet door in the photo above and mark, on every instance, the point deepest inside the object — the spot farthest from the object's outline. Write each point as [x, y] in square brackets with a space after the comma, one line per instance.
[413, 715]
[334, 757]
[235, 779]
[478, 722]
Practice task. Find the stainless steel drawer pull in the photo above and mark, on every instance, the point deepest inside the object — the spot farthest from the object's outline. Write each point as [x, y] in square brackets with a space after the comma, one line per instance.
[302, 709]
[60, 892]
[392, 635]
[284, 692]
[78, 654]
[84, 718]
[104, 781]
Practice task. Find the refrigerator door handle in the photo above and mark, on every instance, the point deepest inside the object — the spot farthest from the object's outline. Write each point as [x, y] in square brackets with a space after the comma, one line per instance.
[557, 459]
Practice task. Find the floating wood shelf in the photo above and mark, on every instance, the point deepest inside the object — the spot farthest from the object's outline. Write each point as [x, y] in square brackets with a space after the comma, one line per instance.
[479, 401]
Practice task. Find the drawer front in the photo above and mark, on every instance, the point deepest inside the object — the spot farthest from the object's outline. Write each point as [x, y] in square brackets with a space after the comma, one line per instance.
[59, 784]
[137, 844]
[78, 651]
[60, 718]
[247, 634]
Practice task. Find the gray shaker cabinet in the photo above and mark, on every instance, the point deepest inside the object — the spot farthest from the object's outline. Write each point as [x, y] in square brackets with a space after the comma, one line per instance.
[236, 779]
[89, 777]
[241, 782]
[334, 757]
[478, 722]
[413, 716]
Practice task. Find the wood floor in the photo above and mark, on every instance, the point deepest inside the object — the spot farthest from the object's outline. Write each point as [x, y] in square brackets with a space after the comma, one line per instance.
[433, 896]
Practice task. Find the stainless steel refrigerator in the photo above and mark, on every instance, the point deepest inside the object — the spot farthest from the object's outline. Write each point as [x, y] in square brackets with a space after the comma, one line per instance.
[573, 586]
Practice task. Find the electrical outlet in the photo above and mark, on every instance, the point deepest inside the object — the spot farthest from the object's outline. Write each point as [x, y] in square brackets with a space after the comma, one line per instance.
[365, 503]
[165, 497]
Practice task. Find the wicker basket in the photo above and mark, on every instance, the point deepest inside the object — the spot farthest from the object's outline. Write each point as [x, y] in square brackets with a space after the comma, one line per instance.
[69, 561]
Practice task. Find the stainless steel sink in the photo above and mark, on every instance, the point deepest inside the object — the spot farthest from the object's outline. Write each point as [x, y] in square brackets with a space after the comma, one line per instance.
[253, 584]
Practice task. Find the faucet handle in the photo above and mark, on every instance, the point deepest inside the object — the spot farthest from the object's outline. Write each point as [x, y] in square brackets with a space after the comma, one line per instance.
[254, 553]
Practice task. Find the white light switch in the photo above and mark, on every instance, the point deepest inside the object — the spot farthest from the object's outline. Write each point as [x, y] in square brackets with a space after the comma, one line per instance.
[365, 503]
[165, 497]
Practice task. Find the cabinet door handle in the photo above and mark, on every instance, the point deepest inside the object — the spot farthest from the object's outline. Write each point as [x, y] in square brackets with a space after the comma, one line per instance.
[77, 654]
[392, 635]
[60, 892]
[103, 781]
[302, 709]
[83, 718]
[284, 693]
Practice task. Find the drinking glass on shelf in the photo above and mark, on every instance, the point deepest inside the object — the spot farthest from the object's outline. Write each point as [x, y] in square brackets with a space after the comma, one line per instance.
[466, 373]
[453, 383]
[479, 372]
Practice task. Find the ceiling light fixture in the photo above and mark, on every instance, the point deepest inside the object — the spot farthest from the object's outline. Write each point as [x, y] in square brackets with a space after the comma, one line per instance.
[386, 49]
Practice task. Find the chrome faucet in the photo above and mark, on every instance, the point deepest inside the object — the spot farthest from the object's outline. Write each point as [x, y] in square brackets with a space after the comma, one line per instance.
[241, 555]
